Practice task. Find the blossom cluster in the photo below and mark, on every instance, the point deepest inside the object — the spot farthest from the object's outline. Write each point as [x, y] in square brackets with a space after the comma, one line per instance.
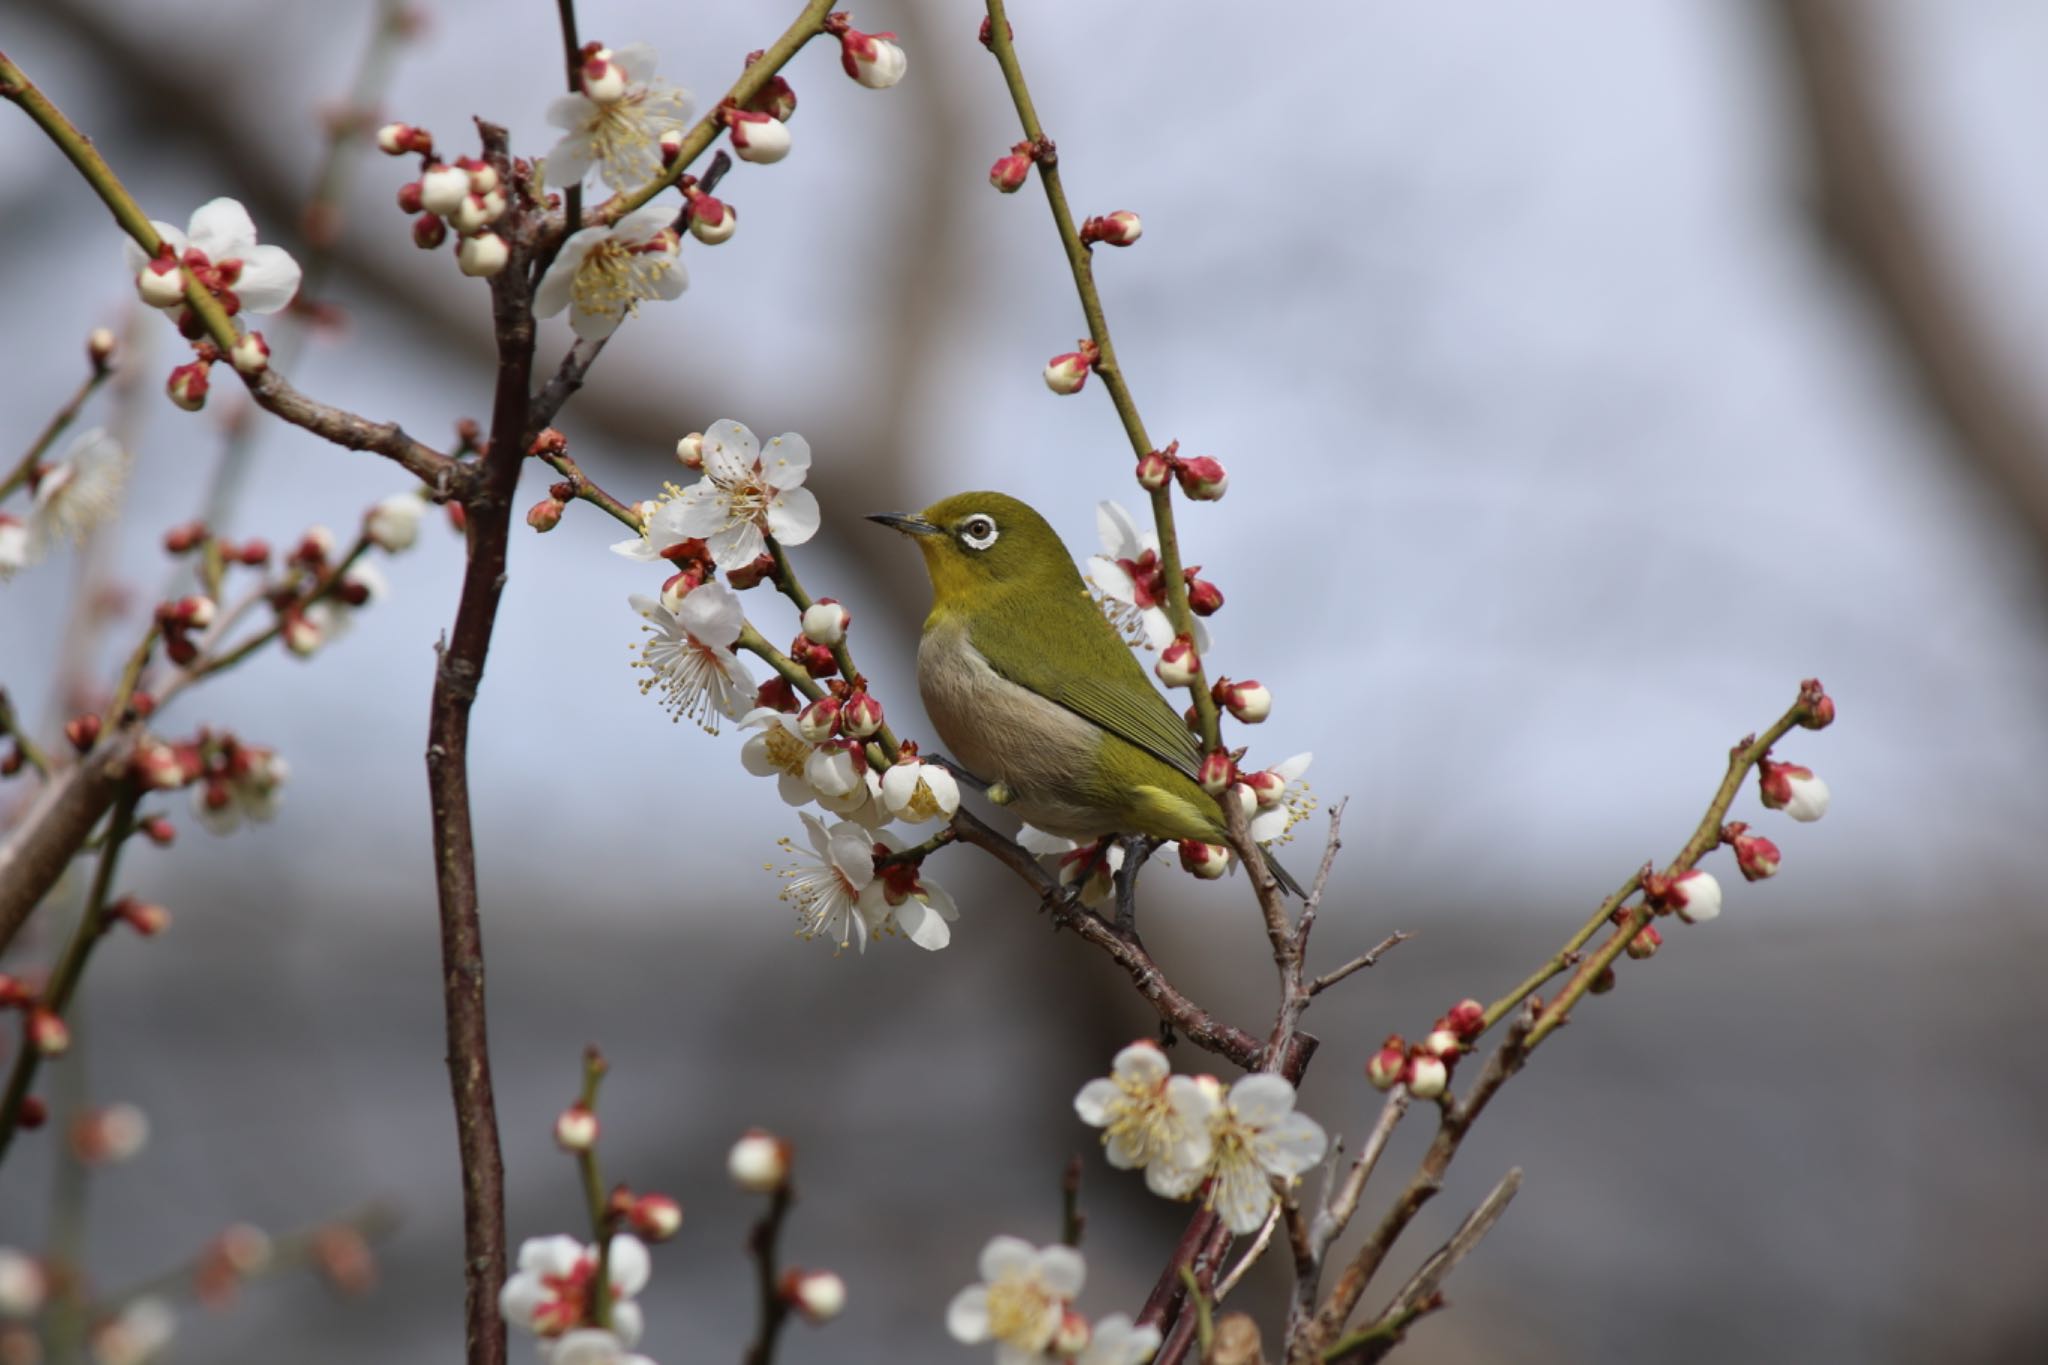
[1024, 1303]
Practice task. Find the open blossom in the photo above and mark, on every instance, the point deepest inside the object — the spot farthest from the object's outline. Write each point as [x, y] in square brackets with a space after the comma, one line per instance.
[1255, 1138]
[622, 136]
[550, 1294]
[244, 783]
[139, 1332]
[745, 495]
[1149, 1118]
[1128, 574]
[1022, 1297]
[916, 791]
[593, 1346]
[688, 655]
[900, 900]
[602, 274]
[1114, 1341]
[76, 492]
[828, 886]
[219, 247]
[1283, 800]
[1093, 865]
[777, 748]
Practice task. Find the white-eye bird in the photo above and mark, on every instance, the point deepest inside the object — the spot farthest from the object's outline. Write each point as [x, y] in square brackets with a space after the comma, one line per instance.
[1030, 686]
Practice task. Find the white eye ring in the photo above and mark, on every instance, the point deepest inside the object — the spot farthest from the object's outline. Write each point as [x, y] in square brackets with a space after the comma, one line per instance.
[978, 532]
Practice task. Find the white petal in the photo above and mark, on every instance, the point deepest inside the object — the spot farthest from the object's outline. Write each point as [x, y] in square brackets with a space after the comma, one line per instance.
[644, 223]
[735, 686]
[1242, 1196]
[671, 283]
[626, 1321]
[270, 277]
[555, 1255]
[585, 1346]
[793, 790]
[520, 1298]
[939, 899]
[590, 326]
[571, 158]
[1293, 768]
[1006, 1257]
[735, 547]
[787, 460]
[1109, 576]
[1292, 1146]
[1173, 1182]
[1063, 1270]
[1094, 1099]
[1197, 1104]
[853, 853]
[922, 926]
[574, 112]
[1262, 1099]
[712, 613]
[638, 548]
[222, 229]
[1121, 538]
[815, 829]
[967, 1315]
[793, 515]
[699, 512]
[1141, 1064]
[1269, 824]
[1036, 840]
[1159, 630]
[553, 294]
[628, 1265]
[941, 784]
[730, 451]
[899, 785]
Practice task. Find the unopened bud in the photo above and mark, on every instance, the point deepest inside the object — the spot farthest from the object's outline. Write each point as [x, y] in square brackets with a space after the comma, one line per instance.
[1426, 1075]
[409, 198]
[777, 695]
[161, 283]
[1819, 711]
[816, 659]
[483, 255]
[251, 354]
[145, 917]
[1247, 701]
[1385, 1066]
[752, 574]
[1757, 856]
[477, 211]
[1207, 861]
[825, 622]
[656, 1217]
[1153, 471]
[860, 716]
[1066, 374]
[576, 1129]
[1696, 896]
[1442, 1042]
[185, 539]
[676, 587]
[1178, 664]
[545, 515]
[428, 232]
[758, 138]
[47, 1032]
[1070, 1338]
[1010, 172]
[777, 99]
[83, 731]
[603, 80]
[397, 139]
[159, 831]
[1203, 478]
[1795, 790]
[443, 188]
[690, 451]
[873, 59]
[157, 767]
[188, 384]
[1204, 597]
[301, 635]
[819, 721]
[1113, 229]
[759, 1162]
[99, 347]
[818, 1295]
[1646, 943]
[34, 1113]
[24, 1286]
[712, 220]
[1467, 1019]
[1217, 772]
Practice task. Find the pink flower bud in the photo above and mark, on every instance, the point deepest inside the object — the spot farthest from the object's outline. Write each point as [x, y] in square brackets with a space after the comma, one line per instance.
[1646, 943]
[860, 716]
[159, 831]
[1204, 597]
[825, 622]
[251, 354]
[106, 1137]
[409, 197]
[476, 212]
[759, 1162]
[397, 139]
[758, 138]
[1113, 229]
[711, 220]
[428, 232]
[1217, 772]
[655, 1217]
[1757, 856]
[301, 635]
[1178, 663]
[157, 767]
[1247, 701]
[443, 188]
[776, 99]
[576, 1129]
[1066, 374]
[1154, 470]
[1267, 787]
[1207, 861]
[483, 255]
[671, 147]
[677, 586]
[603, 80]
[816, 659]
[1696, 896]
[871, 58]
[777, 695]
[161, 283]
[1070, 1338]
[1203, 478]
[819, 721]
[1820, 707]
[1010, 172]
[1385, 1066]
[1426, 1075]
[83, 731]
[545, 515]
[1467, 1019]
[1442, 1041]
[145, 917]
[188, 384]
[1792, 789]
[818, 1295]
[47, 1032]
[99, 347]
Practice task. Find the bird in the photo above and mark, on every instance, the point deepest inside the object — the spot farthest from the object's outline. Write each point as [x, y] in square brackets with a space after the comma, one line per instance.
[1034, 691]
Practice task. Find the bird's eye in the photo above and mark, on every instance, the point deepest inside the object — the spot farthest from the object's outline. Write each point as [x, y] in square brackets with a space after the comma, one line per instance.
[978, 532]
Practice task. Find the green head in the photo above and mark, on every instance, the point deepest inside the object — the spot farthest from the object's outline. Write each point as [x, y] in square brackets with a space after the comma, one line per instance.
[978, 546]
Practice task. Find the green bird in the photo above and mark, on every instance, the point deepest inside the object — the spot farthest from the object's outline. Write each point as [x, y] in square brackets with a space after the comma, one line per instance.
[1034, 691]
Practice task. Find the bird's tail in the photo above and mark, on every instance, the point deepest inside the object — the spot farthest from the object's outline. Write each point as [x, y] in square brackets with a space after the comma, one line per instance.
[1283, 876]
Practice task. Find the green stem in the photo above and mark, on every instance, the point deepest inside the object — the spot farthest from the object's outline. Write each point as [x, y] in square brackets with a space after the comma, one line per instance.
[1081, 262]
[706, 130]
[64, 978]
[589, 492]
[594, 1199]
[883, 748]
[10, 724]
[1205, 1328]
[54, 428]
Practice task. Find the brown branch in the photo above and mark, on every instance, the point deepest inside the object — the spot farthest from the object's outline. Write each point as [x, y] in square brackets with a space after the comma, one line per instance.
[774, 1306]
[440, 472]
[457, 675]
[57, 826]
[1424, 1291]
[1875, 215]
[1361, 962]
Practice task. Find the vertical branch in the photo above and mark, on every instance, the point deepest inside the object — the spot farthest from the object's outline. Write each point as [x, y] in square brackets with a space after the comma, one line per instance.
[457, 675]
[572, 58]
[774, 1306]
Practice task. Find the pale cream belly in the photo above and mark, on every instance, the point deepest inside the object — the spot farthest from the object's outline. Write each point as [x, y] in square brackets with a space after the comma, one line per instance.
[1004, 733]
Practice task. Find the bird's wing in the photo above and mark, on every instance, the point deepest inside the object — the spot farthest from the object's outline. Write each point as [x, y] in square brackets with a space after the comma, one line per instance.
[1116, 695]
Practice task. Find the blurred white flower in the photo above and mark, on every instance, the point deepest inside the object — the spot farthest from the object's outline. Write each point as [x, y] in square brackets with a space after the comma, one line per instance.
[688, 655]
[1128, 574]
[1114, 1341]
[1283, 800]
[394, 523]
[138, 1333]
[1023, 1295]
[244, 785]
[219, 247]
[1255, 1138]
[23, 1284]
[550, 1294]
[590, 1346]
[1149, 1118]
[76, 492]
[916, 791]
[14, 546]
[602, 274]
[743, 494]
[621, 136]
[828, 886]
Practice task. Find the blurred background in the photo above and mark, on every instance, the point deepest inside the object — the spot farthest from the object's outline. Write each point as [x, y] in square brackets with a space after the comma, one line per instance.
[1588, 374]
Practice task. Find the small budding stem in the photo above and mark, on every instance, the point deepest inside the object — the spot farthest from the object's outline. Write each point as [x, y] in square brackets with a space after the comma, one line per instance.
[594, 1198]
[52, 429]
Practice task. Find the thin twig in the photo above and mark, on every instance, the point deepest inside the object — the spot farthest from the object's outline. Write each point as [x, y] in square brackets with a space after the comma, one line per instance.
[1425, 1286]
[1252, 1253]
[1359, 963]
[774, 1307]
[1072, 1221]
[59, 420]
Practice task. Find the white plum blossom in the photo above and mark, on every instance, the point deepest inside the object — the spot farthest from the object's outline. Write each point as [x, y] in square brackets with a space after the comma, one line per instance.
[592, 1346]
[776, 747]
[621, 137]
[247, 789]
[14, 546]
[1133, 585]
[745, 495]
[828, 886]
[1255, 1138]
[1114, 1341]
[916, 792]
[219, 246]
[136, 1334]
[863, 805]
[23, 1284]
[77, 491]
[688, 655]
[394, 523]
[1149, 1118]
[550, 1294]
[602, 274]
[1094, 865]
[1023, 1295]
[900, 900]
[1283, 801]
[331, 617]
[1794, 789]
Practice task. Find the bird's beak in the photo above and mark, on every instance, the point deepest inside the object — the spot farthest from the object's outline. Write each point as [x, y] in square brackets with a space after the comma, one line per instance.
[909, 523]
